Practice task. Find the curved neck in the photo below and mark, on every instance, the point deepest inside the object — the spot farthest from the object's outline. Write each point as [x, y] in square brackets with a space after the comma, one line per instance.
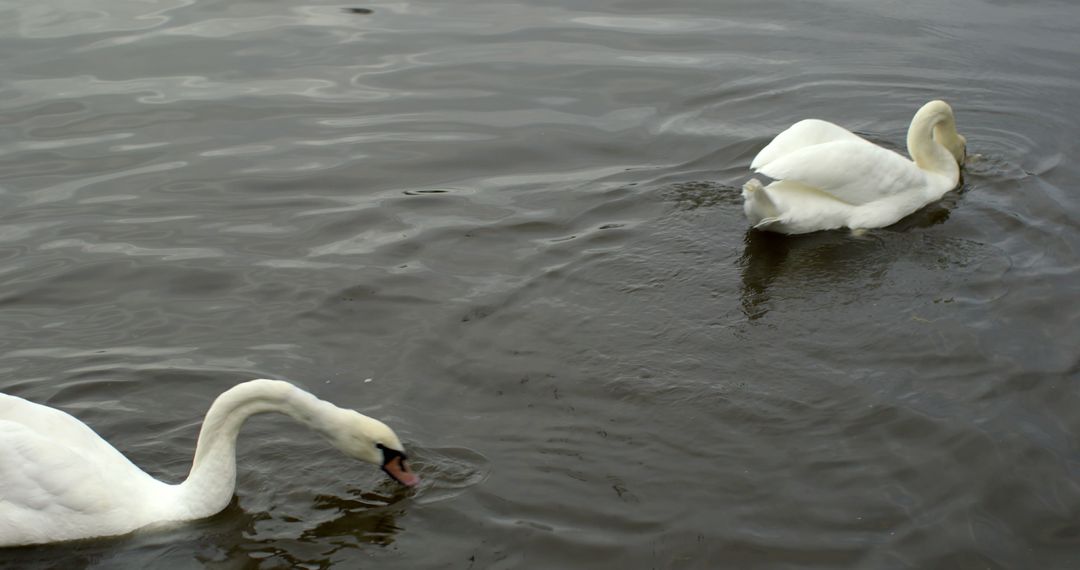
[212, 480]
[932, 126]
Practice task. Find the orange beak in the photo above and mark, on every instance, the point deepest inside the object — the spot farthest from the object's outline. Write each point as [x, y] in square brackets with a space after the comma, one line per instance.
[396, 468]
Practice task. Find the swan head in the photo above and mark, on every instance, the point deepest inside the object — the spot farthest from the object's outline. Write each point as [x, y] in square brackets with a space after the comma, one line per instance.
[961, 156]
[370, 440]
[954, 142]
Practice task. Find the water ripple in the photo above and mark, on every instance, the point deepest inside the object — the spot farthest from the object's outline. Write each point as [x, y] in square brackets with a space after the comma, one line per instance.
[67, 190]
[523, 221]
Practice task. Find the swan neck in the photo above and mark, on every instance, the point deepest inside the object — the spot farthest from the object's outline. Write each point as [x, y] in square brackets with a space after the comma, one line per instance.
[212, 481]
[932, 127]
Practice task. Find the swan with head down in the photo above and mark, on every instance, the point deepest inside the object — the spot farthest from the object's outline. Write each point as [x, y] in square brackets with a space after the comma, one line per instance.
[59, 480]
[826, 177]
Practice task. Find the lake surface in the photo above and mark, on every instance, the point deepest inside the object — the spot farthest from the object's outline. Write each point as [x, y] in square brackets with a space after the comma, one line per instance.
[513, 231]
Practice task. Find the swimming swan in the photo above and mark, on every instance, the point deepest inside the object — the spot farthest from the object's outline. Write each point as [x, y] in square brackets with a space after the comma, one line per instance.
[59, 480]
[826, 177]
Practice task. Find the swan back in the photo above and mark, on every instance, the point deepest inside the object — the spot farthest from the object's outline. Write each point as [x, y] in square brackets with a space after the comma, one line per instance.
[56, 426]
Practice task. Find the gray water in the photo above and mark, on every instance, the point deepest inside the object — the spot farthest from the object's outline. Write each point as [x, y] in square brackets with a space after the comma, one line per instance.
[512, 231]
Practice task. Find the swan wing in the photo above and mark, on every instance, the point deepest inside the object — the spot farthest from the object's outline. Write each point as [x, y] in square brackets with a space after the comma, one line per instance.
[57, 476]
[42, 478]
[854, 171]
[805, 133]
[51, 493]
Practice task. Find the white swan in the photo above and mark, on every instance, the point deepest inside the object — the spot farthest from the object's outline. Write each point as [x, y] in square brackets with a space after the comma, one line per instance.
[59, 480]
[826, 177]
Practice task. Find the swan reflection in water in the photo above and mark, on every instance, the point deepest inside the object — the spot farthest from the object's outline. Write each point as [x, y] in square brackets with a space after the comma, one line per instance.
[237, 538]
[821, 260]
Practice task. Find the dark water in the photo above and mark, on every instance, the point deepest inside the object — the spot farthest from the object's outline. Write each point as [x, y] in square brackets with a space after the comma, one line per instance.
[521, 221]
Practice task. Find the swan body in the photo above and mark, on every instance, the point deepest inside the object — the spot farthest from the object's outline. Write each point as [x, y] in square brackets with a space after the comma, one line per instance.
[826, 177]
[59, 480]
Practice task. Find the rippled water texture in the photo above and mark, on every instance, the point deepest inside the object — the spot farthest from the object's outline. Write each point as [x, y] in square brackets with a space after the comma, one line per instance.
[520, 220]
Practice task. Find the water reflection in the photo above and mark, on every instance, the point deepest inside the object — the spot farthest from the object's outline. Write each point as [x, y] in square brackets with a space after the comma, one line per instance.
[827, 258]
[367, 516]
[234, 538]
[762, 256]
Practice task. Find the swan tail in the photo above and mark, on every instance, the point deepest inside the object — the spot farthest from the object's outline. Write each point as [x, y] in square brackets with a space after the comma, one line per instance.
[754, 192]
[757, 204]
[766, 222]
